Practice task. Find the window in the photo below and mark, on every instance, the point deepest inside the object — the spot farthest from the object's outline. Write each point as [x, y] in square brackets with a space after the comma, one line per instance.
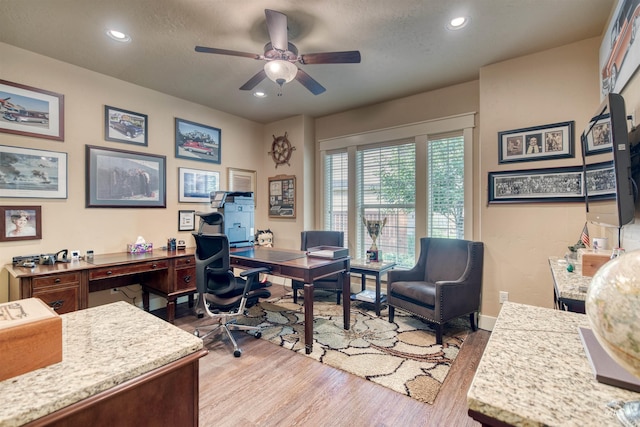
[386, 189]
[336, 195]
[417, 176]
[445, 177]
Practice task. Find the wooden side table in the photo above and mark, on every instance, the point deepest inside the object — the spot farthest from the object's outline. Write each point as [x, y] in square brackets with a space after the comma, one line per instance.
[376, 269]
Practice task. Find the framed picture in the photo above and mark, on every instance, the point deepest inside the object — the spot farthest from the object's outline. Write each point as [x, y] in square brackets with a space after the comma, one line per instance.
[125, 126]
[20, 223]
[554, 141]
[186, 220]
[241, 180]
[25, 110]
[598, 139]
[124, 179]
[537, 185]
[197, 142]
[618, 60]
[282, 196]
[196, 185]
[601, 181]
[26, 172]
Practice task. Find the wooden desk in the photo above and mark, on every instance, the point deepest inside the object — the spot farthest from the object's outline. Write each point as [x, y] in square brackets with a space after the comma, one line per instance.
[66, 286]
[535, 372]
[120, 367]
[296, 265]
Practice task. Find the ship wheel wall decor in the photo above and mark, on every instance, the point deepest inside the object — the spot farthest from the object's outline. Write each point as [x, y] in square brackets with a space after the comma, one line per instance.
[281, 150]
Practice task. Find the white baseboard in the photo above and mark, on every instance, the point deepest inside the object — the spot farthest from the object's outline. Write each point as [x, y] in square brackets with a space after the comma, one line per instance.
[486, 322]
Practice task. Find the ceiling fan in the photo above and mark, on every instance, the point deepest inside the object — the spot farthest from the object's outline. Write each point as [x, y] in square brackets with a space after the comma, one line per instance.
[281, 56]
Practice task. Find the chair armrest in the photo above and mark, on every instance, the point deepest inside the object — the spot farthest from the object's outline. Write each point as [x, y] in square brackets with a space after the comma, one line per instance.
[412, 275]
[254, 271]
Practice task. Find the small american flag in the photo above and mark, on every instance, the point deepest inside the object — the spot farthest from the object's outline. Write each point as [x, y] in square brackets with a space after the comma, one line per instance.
[584, 237]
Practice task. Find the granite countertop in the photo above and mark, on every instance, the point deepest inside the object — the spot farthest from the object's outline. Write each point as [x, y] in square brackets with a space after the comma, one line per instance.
[534, 372]
[570, 285]
[101, 347]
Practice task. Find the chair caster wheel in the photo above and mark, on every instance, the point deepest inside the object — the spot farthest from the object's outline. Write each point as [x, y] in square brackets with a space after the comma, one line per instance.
[237, 353]
[196, 333]
[258, 334]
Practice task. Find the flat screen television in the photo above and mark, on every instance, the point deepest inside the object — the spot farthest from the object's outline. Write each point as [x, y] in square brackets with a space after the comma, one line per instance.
[606, 156]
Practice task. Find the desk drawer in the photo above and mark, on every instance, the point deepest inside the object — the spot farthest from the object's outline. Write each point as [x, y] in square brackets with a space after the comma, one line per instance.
[63, 299]
[55, 280]
[125, 270]
[185, 261]
[186, 279]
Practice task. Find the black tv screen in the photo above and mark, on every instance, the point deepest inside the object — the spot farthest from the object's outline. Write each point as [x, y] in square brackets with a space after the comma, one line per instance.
[607, 165]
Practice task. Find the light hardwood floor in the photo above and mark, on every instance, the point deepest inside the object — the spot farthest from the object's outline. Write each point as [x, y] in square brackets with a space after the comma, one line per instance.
[272, 386]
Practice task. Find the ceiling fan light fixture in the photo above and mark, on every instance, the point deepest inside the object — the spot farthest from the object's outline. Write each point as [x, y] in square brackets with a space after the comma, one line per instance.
[280, 71]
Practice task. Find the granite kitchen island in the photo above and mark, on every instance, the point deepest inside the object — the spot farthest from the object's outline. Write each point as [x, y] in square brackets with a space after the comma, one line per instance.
[121, 366]
[535, 372]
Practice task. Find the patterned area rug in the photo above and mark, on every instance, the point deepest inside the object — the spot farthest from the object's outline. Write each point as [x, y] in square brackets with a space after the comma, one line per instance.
[402, 356]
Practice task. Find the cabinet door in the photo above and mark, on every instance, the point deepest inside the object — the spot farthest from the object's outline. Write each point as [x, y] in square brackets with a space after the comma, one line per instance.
[63, 299]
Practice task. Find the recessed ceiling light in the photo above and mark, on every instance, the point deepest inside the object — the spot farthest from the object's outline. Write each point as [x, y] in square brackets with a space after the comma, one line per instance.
[118, 36]
[458, 23]
[259, 94]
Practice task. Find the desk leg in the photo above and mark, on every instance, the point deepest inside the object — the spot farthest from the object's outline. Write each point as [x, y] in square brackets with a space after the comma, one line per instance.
[378, 294]
[346, 299]
[145, 298]
[363, 280]
[308, 318]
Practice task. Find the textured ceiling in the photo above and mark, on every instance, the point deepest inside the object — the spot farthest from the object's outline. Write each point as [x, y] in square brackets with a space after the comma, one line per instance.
[405, 46]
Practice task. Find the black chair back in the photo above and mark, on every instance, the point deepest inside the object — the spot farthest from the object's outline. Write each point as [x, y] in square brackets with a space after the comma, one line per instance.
[213, 272]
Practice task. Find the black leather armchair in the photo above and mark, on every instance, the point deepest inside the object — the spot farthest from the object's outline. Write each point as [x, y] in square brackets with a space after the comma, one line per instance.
[222, 295]
[310, 239]
[445, 283]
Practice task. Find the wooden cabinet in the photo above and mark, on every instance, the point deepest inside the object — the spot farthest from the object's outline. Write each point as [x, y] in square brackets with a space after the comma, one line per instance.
[62, 292]
[185, 278]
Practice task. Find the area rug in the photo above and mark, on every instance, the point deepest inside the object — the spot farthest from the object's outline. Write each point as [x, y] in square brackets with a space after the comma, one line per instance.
[402, 356]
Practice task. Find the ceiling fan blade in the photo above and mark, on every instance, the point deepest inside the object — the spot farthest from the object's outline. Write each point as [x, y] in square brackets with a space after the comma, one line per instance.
[253, 81]
[348, 57]
[307, 81]
[227, 52]
[277, 26]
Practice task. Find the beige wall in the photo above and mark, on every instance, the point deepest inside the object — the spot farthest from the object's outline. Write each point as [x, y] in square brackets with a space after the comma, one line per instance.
[68, 223]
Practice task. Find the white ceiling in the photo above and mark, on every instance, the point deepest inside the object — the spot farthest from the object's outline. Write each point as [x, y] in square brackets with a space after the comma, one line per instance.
[404, 44]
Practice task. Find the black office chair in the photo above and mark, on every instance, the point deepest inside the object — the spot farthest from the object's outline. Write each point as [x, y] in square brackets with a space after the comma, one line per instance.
[310, 239]
[222, 295]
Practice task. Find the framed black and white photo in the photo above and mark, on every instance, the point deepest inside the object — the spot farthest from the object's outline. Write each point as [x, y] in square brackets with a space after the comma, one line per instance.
[125, 126]
[186, 220]
[124, 179]
[537, 185]
[20, 223]
[25, 110]
[601, 181]
[598, 139]
[197, 142]
[553, 141]
[33, 173]
[196, 185]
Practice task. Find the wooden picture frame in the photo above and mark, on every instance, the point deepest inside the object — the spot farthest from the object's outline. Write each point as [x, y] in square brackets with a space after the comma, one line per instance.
[282, 196]
[195, 186]
[124, 179]
[20, 223]
[195, 141]
[186, 220]
[28, 111]
[33, 173]
[553, 141]
[125, 126]
[242, 180]
[537, 185]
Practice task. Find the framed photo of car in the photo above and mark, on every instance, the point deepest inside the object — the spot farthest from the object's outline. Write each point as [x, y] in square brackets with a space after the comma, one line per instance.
[125, 126]
[195, 141]
[25, 110]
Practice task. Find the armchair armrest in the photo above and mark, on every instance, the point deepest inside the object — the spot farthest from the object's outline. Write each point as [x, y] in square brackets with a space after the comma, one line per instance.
[405, 275]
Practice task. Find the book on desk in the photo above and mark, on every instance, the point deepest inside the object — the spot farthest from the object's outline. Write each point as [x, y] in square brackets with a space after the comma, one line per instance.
[328, 252]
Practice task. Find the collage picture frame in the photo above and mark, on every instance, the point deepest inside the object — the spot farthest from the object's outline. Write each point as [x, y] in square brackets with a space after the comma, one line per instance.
[552, 141]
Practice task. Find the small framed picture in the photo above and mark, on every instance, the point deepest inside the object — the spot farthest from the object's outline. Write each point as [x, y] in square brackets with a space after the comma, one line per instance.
[598, 138]
[195, 186]
[197, 142]
[20, 223]
[186, 220]
[125, 126]
[554, 141]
